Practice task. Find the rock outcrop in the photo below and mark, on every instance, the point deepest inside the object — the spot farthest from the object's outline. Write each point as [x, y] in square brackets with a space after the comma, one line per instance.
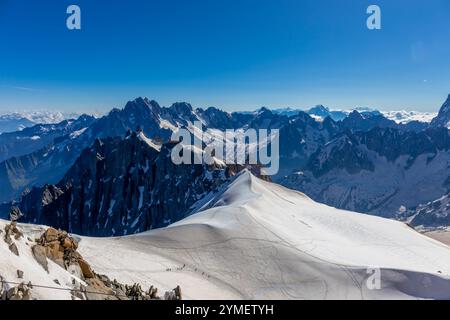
[19, 292]
[61, 248]
[12, 233]
[443, 118]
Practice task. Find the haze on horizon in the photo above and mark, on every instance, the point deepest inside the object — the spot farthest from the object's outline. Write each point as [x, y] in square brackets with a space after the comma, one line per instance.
[234, 55]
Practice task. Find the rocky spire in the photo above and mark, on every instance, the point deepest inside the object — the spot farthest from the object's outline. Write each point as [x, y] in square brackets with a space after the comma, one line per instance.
[443, 118]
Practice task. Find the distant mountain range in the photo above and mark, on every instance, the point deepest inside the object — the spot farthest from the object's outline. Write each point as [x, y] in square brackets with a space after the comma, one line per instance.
[122, 186]
[320, 112]
[364, 162]
[15, 121]
[28, 140]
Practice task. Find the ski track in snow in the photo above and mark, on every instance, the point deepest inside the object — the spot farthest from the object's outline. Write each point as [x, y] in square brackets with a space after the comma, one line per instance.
[258, 240]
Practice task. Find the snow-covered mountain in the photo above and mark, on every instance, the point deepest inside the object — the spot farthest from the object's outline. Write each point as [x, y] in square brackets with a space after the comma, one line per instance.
[320, 112]
[381, 171]
[122, 186]
[378, 145]
[36, 137]
[40, 263]
[258, 240]
[434, 214]
[50, 163]
[16, 121]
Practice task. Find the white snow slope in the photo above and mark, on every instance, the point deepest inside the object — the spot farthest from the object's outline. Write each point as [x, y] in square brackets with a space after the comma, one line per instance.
[258, 240]
[32, 271]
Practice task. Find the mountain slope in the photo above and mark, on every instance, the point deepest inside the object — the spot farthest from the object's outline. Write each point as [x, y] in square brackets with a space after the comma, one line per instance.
[16, 121]
[300, 137]
[443, 117]
[382, 171]
[122, 186]
[50, 163]
[255, 240]
[39, 263]
[433, 214]
[28, 140]
[258, 240]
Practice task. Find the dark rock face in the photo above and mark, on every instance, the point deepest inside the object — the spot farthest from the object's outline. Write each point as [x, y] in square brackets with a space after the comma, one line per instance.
[331, 154]
[383, 171]
[433, 214]
[357, 122]
[218, 119]
[393, 143]
[443, 118]
[49, 164]
[350, 150]
[343, 152]
[324, 112]
[301, 137]
[121, 186]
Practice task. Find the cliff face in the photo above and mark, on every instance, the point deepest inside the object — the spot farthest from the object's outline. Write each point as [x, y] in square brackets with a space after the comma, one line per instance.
[443, 118]
[122, 186]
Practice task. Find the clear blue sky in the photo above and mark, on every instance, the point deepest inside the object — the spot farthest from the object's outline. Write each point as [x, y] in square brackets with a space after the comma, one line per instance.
[233, 54]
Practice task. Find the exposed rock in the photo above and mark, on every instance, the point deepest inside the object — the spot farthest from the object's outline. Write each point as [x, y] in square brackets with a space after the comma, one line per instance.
[125, 292]
[120, 187]
[69, 243]
[77, 294]
[86, 269]
[7, 238]
[135, 292]
[40, 255]
[443, 118]
[59, 247]
[97, 290]
[170, 295]
[11, 231]
[50, 235]
[21, 292]
[177, 291]
[53, 253]
[2, 288]
[152, 292]
[15, 214]
[13, 249]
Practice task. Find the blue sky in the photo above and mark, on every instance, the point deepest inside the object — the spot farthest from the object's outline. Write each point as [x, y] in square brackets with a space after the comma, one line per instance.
[233, 54]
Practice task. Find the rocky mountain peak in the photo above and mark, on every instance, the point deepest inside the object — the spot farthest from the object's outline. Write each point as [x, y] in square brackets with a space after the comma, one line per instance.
[143, 108]
[122, 186]
[341, 153]
[443, 118]
[265, 113]
[182, 108]
[319, 110]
